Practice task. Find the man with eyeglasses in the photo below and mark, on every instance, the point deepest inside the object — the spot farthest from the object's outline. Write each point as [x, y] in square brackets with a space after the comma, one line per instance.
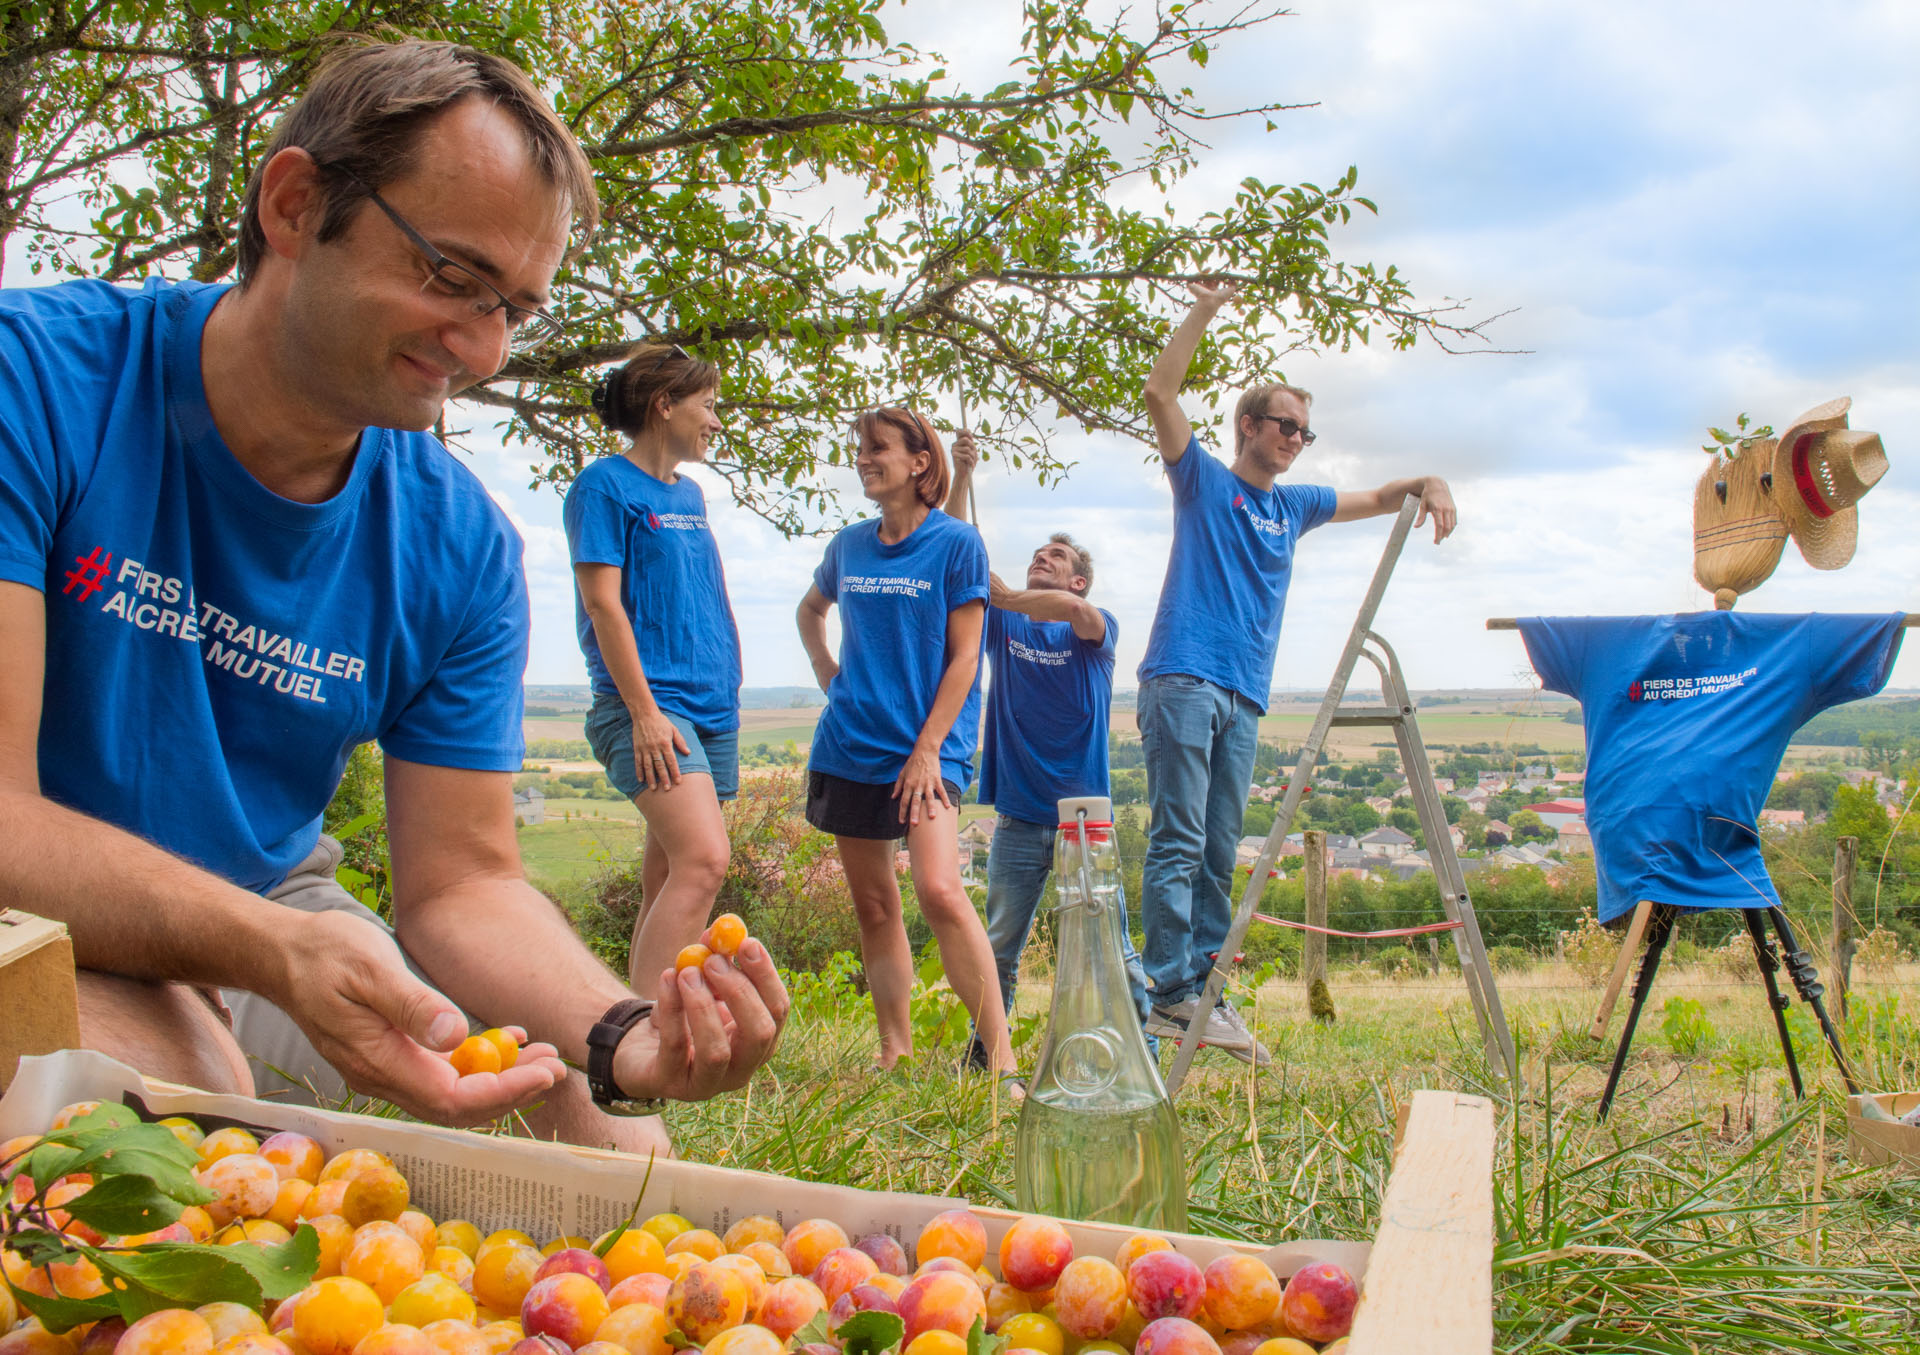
[1209, 663]
[230, 552]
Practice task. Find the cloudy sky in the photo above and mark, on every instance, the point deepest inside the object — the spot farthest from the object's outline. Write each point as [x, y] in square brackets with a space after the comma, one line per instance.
[1692, 210]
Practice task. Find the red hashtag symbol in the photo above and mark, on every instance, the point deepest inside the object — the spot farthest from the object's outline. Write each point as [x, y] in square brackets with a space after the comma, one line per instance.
[92, 569]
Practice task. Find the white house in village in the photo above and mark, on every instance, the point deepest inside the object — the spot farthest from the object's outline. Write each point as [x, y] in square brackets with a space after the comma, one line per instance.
[1556, 814]
[1386, 841]
[529, 806]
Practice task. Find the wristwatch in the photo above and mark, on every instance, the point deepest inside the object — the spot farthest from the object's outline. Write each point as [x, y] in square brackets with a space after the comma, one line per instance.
[602, 1040]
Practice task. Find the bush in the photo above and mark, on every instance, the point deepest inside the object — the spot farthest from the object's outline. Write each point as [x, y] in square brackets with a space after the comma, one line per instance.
[783, 877]
[1510, 959]
[1736, 960]
[1880, 953]
[1688, 1031]
[1591, 950]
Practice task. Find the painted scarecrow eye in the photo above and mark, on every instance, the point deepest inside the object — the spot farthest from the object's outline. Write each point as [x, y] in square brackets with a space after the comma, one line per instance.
[1766, 481]
[1720, 488]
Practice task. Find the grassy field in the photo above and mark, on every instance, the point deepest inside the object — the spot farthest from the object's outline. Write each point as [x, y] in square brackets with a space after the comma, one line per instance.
[1711, 1213]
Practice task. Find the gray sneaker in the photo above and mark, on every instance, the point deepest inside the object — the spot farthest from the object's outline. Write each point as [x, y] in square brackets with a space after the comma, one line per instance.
[1236, 1039]
[1225, 1030]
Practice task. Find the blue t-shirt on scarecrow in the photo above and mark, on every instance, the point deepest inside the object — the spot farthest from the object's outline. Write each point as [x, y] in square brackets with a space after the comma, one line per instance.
[1687, 718]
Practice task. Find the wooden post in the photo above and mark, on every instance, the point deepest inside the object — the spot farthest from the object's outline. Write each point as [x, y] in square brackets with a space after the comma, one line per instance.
[1313, 951]
[1629, 947]
[1846, 854]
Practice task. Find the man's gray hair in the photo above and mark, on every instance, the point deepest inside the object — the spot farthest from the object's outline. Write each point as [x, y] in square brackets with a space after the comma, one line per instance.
[1082, 561]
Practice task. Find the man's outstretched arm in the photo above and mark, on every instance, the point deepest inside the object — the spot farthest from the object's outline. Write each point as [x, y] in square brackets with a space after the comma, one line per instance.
[1050, 604]
[137, 911]
[1170, 424]
[1436, 502]
[463, 909]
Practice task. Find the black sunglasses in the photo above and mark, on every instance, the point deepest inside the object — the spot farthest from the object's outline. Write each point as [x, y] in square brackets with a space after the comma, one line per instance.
[1288, 427]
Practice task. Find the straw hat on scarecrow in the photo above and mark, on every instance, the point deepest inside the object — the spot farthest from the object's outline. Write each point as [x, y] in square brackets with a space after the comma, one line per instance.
[1821, 469]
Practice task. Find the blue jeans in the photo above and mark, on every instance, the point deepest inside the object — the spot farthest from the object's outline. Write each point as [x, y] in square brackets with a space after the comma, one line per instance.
[1200, 740]
[1017, 869]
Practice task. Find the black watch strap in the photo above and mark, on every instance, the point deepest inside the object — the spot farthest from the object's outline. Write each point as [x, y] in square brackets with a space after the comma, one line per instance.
[602, 1040]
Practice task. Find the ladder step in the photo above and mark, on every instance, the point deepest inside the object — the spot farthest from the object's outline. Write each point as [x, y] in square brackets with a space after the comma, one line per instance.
[1350, 716]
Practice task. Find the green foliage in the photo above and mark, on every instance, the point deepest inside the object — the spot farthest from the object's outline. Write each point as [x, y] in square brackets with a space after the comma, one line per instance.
[1730, 444]
[142, 1176]
[357, 818]
[1809, 792]
[1689, 1034]
[1845, 726]
[1510, 959]
[993, 246]
[559, 750]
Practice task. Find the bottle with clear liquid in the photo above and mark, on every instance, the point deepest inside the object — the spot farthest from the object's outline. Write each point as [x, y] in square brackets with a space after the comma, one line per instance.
[1098, 1138]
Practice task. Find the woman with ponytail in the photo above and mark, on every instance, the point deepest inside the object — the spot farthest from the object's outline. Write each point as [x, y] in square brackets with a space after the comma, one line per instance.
[894, 749]
[660, 641]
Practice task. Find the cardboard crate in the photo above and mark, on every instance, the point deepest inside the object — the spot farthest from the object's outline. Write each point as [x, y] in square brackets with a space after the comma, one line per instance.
[39, 1006]
[1427, 1278]
[1877, 1143]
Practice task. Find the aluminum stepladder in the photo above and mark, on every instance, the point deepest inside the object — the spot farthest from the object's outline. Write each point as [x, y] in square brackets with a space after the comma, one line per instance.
[1396, 713]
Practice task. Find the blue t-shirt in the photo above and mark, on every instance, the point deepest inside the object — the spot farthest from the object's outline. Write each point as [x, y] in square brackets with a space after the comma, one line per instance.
[1687, 718]
[1046, 736]
[214, 651]
[894, 602]
[671, 585]
[1226, 585]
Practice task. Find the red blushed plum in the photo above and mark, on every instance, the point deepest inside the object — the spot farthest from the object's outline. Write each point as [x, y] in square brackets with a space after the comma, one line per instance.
[645, 1287]
[1166, 1284]
[841, 1269]
[886, 1251]
[1034, 1252]
[942, 1301]
[1319, 1301]
[955, 1232]
[1091, 1297]
[1241, 1292]
[862, 1298]
[1173, 1335]
[577, 1261]
[569, 1305]
[818, 1348]
[789, 1305]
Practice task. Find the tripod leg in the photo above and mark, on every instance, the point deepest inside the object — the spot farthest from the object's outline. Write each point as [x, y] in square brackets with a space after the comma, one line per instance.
[1776, 1002]
[1807, 983]
[1659, 928]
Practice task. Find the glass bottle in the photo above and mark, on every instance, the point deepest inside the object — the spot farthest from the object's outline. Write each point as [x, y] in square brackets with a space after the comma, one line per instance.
[1098, 1138]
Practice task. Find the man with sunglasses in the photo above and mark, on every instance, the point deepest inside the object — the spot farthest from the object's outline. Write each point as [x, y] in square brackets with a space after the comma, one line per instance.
[230, 552]
[1209, 663]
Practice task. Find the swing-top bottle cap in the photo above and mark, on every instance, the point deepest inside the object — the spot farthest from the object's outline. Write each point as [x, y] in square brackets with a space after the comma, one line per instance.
[1099, 810]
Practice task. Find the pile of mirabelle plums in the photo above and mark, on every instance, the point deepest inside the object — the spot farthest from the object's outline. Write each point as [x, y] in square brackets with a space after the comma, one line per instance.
[392, 1281]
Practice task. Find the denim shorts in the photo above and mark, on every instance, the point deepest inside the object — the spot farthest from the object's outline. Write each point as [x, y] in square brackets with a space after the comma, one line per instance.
[715, 752]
